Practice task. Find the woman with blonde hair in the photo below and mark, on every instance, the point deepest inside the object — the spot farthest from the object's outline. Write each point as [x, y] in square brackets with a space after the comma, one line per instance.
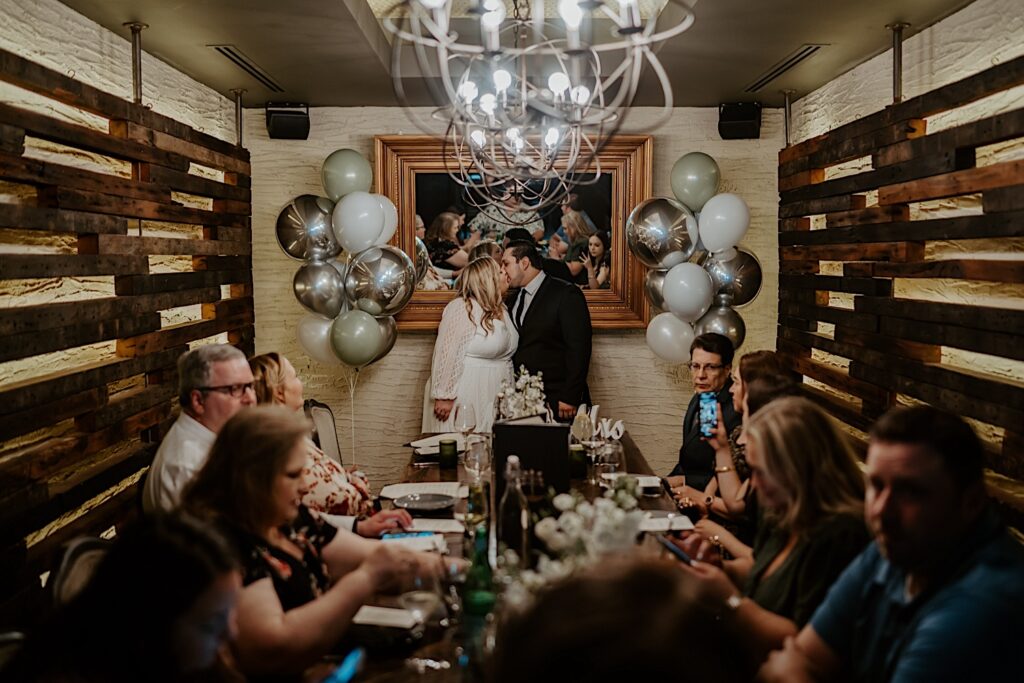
[578, 232]
[474, 348]
[443, 244]
[811, 493]
[327, 487]
[303, 579]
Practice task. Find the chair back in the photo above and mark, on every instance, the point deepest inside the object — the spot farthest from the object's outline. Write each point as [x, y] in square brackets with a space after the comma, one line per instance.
[325, 430]
[81, 557]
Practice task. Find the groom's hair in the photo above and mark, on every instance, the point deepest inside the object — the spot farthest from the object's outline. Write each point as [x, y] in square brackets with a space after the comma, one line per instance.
[521, 249]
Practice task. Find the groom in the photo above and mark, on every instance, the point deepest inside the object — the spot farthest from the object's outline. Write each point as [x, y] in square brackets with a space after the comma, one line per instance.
[554, 328]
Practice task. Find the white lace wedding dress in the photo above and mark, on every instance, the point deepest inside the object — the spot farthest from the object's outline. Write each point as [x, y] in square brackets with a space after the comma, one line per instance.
[469, 364]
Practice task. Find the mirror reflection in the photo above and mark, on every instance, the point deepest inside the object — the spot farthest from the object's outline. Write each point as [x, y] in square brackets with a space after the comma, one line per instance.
[574, 237]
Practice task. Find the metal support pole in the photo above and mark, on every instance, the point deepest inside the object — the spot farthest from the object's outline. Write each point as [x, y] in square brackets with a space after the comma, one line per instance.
[136, 27]
[897, 59]
[238, 92]
[788, 94]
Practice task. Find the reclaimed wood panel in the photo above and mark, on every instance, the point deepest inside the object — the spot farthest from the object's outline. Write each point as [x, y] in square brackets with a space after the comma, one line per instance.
[87, 429]
[895, 344]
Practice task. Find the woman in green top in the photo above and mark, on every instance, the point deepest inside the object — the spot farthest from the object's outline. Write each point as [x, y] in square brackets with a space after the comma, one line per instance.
[811, 494]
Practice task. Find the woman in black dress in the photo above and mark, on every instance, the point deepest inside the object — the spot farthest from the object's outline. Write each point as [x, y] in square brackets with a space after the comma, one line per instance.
[442, 242]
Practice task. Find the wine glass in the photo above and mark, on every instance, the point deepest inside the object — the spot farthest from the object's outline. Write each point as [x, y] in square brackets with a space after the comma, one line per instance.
[422, 598]
[478, 459]
[464, 420]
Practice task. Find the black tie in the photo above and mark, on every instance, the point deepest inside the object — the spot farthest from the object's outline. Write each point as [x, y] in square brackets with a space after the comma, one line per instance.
[517, 315]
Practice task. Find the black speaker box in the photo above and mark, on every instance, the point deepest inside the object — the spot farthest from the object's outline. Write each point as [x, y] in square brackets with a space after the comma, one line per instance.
[287, 121]
[739, 120]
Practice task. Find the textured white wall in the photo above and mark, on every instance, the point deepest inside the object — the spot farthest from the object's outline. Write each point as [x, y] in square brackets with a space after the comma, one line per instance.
[625, 377]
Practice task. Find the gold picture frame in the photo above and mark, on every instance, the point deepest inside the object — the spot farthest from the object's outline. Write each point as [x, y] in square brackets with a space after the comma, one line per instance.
[627, 158]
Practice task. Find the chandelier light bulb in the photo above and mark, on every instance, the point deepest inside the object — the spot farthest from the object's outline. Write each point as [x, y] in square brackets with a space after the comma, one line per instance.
[438, 4]
[558, 82]
[513, 134]
[494, 14]
[580, 95]
[468, 91]
[477, 136]
[502, 80]
[571, 13]
[488, 103]
[551, 137]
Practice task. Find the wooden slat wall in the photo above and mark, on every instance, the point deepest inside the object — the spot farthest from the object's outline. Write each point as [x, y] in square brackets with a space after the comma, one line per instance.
[74, 442]
[892, 345]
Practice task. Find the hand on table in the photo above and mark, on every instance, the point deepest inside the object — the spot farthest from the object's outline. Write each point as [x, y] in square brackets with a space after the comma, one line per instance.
[788, 665]
[385, 520]
[687, 496]
[389, 566]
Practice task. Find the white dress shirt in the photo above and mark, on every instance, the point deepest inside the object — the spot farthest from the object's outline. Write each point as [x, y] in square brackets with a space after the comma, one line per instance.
[183, 452]
[528, 292]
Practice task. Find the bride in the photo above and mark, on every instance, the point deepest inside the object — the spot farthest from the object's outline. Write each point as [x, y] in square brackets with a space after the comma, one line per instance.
[473, 352]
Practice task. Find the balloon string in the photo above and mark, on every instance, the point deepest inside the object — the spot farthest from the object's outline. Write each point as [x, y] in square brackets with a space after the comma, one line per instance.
[353, 379]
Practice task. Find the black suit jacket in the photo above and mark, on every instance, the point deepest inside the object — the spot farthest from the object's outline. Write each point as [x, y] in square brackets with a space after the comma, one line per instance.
[696, 457]
[555, 339]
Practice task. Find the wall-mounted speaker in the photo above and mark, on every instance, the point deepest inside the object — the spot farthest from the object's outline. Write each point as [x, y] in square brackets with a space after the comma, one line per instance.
[739, 120]
[287, 121]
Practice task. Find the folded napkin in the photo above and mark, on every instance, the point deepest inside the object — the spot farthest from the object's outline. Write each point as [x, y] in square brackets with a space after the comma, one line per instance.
[446, 488]
[443, 526]
[643, 480]
[433, 441]
[654, 524]
[427, 544]
[384, 616]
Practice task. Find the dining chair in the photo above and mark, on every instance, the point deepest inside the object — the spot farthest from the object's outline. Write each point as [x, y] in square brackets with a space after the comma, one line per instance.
[325, 429]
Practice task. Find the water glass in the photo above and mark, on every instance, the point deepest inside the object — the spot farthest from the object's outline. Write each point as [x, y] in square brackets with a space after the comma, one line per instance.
[608, 459]
[478, 459]
[423, 598]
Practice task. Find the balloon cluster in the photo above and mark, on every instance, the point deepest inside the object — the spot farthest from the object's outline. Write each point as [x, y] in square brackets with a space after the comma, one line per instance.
[697, 273]
[352, 283]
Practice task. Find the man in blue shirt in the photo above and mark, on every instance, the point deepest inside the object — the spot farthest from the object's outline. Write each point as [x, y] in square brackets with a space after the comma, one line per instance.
[939, 596]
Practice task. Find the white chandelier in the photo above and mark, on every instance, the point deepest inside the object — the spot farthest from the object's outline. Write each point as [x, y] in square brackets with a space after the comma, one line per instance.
[528, 102]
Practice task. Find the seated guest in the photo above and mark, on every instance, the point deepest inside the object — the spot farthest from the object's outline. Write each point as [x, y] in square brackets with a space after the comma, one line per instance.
[500, 216]
[939, 595]
[620, 622]
[570, 203]
[421, 229]
[810, 490]
[579, 243]
[551, 267]
[157, 608]
[442, 245]
[214, 383]
[597, 262]
[303, 578]
[326, 486]
[486, 248]
[710, 363]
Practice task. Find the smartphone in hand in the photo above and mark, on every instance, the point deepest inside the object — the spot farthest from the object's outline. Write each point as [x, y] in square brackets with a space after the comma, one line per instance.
[708, 414]
[674, 549]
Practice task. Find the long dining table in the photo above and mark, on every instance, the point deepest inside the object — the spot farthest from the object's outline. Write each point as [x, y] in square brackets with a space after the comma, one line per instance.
[439, 645]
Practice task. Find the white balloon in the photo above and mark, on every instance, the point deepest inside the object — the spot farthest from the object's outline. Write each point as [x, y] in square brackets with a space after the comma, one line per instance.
[670, 338]
[688, 290]
[314, 334]
[390, 213]
[723, 222]
[358, 220]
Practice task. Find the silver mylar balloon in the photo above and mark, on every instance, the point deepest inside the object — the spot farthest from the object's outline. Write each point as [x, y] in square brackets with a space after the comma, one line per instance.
[722, 319]
[422, 260]
[389, 335]
[319, 288]
[304, 229]
[654, 283]
[661, 232]
[739, 276]
[380, 281]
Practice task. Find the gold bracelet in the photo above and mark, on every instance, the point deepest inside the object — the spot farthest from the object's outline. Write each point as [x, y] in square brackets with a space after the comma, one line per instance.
[724, 468]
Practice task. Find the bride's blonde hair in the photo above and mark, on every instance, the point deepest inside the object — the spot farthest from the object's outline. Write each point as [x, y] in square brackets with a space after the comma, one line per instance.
[479, 281]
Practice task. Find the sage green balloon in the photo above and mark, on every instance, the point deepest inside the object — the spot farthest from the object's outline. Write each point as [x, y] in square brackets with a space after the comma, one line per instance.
[356, 338]
[346, 171]
[695, 179]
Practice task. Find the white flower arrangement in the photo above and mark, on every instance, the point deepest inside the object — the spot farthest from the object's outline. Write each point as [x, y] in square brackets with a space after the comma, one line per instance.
[579, 536]
[523, 398]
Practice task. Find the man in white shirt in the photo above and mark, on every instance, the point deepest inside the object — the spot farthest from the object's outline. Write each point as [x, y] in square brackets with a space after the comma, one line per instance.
[214, 383]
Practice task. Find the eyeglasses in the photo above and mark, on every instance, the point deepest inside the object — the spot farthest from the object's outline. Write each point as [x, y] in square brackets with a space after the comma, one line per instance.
[233, 390]
[710, 367]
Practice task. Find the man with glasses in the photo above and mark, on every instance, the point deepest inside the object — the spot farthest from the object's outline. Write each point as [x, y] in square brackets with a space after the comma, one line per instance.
[214, 383]
[710, 363]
